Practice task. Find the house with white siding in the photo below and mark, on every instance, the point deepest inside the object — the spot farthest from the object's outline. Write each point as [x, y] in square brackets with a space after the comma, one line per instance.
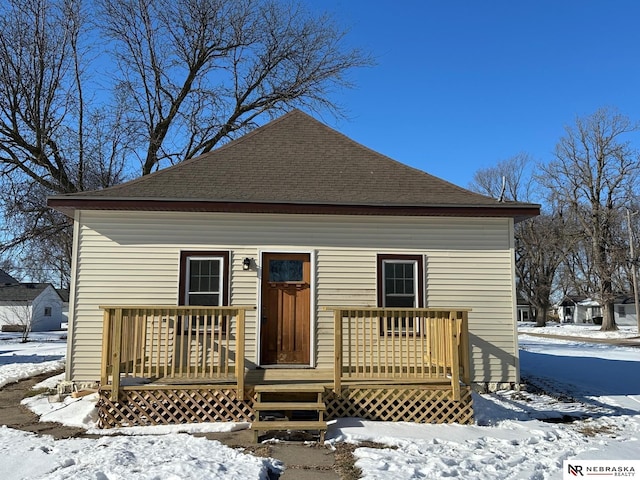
[29, 307]
[581, 309]
[291, 265]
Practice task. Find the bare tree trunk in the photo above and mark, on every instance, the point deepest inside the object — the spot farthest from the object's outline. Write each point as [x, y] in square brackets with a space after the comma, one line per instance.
[541, 321]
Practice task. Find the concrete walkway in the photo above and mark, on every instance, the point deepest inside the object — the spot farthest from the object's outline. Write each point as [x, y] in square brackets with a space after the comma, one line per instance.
[302, 461]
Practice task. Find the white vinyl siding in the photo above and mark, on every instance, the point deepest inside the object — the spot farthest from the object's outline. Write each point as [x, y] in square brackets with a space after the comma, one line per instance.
[129, 258]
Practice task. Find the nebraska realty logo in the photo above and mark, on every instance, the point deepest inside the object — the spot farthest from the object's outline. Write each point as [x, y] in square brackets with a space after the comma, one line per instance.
[600, 468]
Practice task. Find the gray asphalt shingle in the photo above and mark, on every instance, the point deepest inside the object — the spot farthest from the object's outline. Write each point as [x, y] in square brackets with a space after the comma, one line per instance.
[295, 159]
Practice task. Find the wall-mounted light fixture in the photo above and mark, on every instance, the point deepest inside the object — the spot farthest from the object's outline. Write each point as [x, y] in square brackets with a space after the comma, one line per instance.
[246, 263]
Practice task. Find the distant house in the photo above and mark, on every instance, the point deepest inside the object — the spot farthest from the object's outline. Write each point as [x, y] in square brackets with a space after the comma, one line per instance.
[291, 263]
[581, 309]
[571, 310]
[625, 311]
[525, 311]
[64, 294]
[38, 304]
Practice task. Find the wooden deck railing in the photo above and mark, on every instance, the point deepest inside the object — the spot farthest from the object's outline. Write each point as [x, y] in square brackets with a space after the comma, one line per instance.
[412, 344]
[151, 342]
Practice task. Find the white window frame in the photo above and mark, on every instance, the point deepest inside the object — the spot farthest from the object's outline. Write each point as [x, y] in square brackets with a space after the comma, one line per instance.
[417, 260]
[220, 292]
[386, 262]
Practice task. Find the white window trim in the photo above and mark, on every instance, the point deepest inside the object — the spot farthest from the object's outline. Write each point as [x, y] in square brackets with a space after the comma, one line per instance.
[220, 292]
[416, 281]
[419, 276]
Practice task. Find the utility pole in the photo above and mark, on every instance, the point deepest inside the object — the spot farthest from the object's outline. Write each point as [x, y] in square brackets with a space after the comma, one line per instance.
[633, 269]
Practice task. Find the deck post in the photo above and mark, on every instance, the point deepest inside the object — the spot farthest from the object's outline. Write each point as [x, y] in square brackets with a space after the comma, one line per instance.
[240, 352]
[455, 359]
[106, 342]
[464, 348]
[337, 345]
[116, 346]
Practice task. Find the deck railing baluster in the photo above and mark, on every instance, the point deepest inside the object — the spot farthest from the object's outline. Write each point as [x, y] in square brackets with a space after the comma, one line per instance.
[174, 342]
[410, 344]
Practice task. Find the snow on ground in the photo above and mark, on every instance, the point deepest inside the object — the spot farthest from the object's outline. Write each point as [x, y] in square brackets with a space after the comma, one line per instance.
[175, 456]
[45, 352]
[579, 330]
[582, 402]
[592, 413]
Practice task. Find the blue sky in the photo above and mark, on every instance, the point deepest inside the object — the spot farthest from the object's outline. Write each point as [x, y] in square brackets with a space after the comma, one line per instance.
[460, 85]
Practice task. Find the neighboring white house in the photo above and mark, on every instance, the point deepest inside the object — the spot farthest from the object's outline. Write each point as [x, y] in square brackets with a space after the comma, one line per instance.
[576, 309]
[37, 304]
[525, 311]
[572, 310]
[64, 294]
[625, 311]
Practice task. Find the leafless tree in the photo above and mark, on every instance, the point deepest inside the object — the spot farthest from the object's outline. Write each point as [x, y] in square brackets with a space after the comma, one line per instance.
[541, 245]
[509, 179]
[19, 317]
[593, 173]
[185, 76]
[197, 73]
[540, 242]
[50, 142]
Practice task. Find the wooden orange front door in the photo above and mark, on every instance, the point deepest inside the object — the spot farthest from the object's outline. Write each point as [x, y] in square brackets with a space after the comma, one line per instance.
[286, 296]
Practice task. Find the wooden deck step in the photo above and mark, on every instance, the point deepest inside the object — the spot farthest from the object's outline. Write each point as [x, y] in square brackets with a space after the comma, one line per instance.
[279, 406]
[289, 425]
[290, 388]
[289, 400]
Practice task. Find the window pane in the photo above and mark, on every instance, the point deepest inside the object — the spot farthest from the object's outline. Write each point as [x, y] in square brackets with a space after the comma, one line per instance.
[285, 270]
[399, 301]
[407, 270]
[399, 283]
[204, 286]
[194, 277]
[388, 285]
[204, 275]
[209, 299]
[408, 286]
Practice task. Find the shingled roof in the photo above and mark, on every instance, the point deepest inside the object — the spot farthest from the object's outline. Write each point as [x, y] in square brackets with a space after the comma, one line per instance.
[294, 164]
[22, 292]
[6, 279]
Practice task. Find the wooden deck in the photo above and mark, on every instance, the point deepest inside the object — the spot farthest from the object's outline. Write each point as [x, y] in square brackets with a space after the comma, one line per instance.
[180, 364]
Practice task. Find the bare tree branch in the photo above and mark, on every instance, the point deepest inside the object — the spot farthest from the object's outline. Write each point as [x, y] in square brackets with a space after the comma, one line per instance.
[593, 173]
[202, 71]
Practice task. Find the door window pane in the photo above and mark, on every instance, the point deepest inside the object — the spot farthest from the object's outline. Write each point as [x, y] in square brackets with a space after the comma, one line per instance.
[285, 270]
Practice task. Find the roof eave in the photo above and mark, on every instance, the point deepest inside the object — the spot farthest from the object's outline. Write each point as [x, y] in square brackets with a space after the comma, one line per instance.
[519, 212]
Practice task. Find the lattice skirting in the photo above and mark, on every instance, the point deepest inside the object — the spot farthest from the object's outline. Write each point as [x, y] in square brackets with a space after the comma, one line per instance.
[404, 404]
[178, 405]
[170, 406]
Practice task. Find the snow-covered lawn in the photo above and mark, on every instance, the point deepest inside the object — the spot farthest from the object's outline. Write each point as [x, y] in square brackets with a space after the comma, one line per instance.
[594, 395]
[44, 353]
[578, 330]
